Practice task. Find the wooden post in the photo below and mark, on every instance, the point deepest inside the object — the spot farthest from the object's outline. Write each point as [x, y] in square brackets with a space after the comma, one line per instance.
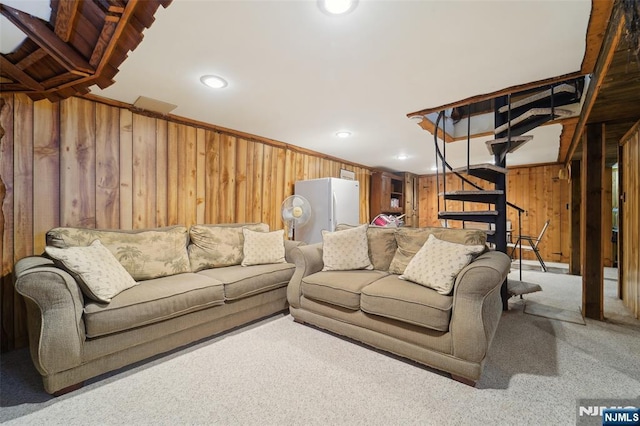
[591, 222]
[576, 196]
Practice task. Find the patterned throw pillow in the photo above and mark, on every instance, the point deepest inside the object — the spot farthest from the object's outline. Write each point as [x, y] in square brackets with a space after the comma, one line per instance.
[215, 246]
[382, 244]
[438, 263]
[346, 250]
[263, 247]
[98, 272]
[410, 240]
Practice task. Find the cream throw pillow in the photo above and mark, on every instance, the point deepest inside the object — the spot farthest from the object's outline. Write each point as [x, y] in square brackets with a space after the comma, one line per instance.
[438, 263]
[263, 247]
[346, 250]
[99, 274]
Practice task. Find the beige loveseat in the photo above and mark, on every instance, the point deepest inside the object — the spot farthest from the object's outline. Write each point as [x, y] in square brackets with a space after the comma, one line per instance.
[448, 331]
[189, 284]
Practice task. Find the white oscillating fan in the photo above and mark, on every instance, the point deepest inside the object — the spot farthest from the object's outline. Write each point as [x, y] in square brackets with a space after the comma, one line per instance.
[295, 211]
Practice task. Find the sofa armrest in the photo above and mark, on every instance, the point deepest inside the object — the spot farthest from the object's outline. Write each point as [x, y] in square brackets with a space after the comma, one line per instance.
[477, 305]
[290, 245]
[54, 314]
[308, 260]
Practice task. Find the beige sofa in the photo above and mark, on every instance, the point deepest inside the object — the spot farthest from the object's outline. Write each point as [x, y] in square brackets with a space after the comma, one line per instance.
[189, 284]
[450, 332]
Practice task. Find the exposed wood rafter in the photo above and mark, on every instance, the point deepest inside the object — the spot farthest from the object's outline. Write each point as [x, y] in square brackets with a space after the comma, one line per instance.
[37, 30]
[58, 61]
[19, 75]
[65, 16]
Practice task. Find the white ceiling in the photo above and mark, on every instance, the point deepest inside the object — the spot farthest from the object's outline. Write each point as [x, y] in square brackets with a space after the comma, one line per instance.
[298, 75]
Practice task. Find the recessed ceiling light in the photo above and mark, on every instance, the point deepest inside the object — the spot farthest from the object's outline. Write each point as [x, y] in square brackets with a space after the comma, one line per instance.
[214, 81]
[402, 156]
[337, 7]
[434, 168]
[343, 134]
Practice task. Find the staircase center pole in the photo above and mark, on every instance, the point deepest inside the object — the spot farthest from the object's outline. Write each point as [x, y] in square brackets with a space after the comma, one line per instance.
[501, 202]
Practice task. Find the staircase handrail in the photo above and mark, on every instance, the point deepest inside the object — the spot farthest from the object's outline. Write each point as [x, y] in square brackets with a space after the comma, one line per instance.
[445, 163]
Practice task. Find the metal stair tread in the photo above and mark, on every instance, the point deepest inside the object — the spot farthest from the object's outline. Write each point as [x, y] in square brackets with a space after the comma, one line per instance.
[474, 192]
[533, 112]
[561, 88]
[470, 213]
[482, 166]
[516, 142]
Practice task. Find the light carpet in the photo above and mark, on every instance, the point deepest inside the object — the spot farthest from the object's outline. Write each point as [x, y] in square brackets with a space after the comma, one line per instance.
[279, 372]
[574, 316]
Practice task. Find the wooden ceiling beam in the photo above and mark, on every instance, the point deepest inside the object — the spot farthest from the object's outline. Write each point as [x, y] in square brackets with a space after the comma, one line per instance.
[72, 73]
[60, 80]
[116, 6]
[31, 59]
[115, 38]
[17, 74]
[607, 51]
[38, 31]
[600, 13]
[103, 42]
[65, 17]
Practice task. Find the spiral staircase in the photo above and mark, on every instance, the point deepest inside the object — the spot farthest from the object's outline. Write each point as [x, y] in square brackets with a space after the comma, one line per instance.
[514, 115]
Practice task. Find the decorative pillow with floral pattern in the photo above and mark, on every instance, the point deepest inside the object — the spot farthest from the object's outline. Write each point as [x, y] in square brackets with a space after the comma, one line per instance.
[99, 274]
[410, 240]
[437, 264]
[144, 253]
[215, 246]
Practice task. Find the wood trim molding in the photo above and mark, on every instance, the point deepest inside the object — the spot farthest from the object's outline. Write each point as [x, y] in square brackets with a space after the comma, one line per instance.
[627, 136]
[219, 129]
[430, 127]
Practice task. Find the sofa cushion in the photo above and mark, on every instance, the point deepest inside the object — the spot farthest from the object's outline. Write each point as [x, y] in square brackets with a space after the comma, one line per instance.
[215, 246]
[382, 245]
[341, 288]
[262, 248]
[438, 262]
[345, 250]
[242, 281]
[394, 298]
[152, 301]
[97, 271]
[144, 253]
[410, 240]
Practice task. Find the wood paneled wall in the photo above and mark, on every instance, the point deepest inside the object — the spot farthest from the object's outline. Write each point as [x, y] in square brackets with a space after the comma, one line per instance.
[630, 215]
[84, 163]
[536, 189]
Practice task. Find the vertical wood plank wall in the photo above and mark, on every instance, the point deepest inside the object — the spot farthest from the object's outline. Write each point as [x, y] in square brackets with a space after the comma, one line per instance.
[83, 163]
[536, 189]
[630, 206]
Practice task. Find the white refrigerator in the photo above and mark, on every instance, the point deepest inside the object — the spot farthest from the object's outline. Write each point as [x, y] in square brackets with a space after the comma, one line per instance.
[333, 201]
